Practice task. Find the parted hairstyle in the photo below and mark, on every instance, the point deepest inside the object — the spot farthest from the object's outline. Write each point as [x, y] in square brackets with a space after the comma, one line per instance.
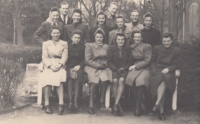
[52, 28]
[135, 32]
[148, 15]
[135, 10]
[166, 35]
[77, 31]
[113, 3]
[121, 16]
[78, 11]
[100, 13]
[100, 31]
[64, 3]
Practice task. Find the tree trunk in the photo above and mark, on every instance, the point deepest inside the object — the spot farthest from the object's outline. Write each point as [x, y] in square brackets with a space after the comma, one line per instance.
[17, 18]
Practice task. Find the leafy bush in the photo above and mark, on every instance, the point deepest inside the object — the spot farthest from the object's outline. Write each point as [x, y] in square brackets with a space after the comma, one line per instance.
[189, 82]
[13, 62]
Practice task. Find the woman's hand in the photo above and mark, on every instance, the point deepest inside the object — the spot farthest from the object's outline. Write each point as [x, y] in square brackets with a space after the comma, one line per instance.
[131, 68]
[102, 67]
[121, 70]
[53, 68]
[165, 71]
[76, 68]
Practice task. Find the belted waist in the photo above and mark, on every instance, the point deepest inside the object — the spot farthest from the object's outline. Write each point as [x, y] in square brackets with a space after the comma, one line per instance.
[56, 57]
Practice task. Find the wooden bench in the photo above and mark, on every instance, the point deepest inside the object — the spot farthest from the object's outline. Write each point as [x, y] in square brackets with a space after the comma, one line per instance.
[174, 97]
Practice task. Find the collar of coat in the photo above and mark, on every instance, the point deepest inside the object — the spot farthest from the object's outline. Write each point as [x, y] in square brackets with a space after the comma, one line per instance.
[97, 46]
[135, 44]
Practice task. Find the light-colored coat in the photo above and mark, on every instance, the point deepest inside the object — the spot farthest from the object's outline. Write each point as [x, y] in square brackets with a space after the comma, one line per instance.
[95, 56]
[130, 27]
[142, 54]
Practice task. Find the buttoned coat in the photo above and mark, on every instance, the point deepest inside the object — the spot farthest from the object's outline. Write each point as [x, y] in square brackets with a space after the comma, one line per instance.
[113, 35]
[42, 34]
[163, 58]
[96, 55]
[142, 54]
[119, 58]
[93, 30]
[151, 36]
[68, 29]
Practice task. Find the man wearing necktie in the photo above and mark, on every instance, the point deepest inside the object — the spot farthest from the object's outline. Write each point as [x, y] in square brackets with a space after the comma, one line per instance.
[64, 18]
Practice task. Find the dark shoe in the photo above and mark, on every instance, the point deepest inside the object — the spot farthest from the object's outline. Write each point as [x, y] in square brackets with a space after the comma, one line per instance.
[70, 106]
[60, 109]
[115, 108]
[102, 104]
[156, 108]
[75, 108]
[162, 116]
[120, 111]
[137, 112]
[48, 109]
[43, 106]
[91, 110]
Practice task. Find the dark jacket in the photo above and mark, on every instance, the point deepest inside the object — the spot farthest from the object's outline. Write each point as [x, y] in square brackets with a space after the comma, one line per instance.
[151, 36]
[42, 34]
[76, 55]
[69, 20]
[117, 59]
[93, 30]
[68, 29]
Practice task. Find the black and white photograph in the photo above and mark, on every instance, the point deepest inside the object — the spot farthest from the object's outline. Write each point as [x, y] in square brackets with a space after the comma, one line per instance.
[99, 61]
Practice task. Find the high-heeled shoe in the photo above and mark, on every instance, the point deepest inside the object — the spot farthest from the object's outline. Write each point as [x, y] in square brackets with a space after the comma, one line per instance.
[162, 116]
[91, 110]
[48, 109]
[156, 108]
[137, 112]
[60, 109]
[115, 108]
[120, 110]
[70, 106]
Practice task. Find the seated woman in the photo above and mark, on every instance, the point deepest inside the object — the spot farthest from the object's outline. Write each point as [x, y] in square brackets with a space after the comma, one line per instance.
[54, 57]
[138, 75]
[121, 28]
[75, 66]
[96, 67]
[100, 23]
[162, 74]
[119, 60]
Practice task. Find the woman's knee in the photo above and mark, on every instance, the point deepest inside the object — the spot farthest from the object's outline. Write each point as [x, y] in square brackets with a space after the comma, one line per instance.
[121, 80]
[115, 80]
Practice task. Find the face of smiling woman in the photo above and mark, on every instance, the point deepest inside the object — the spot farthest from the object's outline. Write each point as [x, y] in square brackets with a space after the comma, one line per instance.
[54, 16]
[76, 38]
[101, 19]
[167, 42]
[99, 38]
[137, 38]
[120, 41]
[55, 34]
[76, 17]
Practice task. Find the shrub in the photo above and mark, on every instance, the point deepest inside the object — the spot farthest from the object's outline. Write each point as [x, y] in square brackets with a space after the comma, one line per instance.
[13, 62]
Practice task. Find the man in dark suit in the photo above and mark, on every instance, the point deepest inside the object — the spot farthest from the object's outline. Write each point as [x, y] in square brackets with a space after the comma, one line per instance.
[64, 17]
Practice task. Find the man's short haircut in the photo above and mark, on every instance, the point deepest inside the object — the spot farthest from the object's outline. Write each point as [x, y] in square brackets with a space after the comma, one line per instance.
[166, 35]
[64, 3]
[135, 10]
[113, 3]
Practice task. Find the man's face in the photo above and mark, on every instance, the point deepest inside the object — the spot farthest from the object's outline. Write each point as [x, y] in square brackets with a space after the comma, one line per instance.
[134, 16]
[112, 9]
[64, 9]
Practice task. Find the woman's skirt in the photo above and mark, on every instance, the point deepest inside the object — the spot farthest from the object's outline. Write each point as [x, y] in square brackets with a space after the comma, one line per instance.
[138, 77]
[156, 77]
[119, 75]
[95, 75]
[79, 75]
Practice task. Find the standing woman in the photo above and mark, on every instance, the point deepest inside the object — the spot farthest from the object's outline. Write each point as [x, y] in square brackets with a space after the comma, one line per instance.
[138, 75]
[42, 34]
[54, 57]
[75, 66]
[151, 35]
[119, 60]
[121, 28]
[100, 23]
[96, 67]
[162, 76]
[77, 24]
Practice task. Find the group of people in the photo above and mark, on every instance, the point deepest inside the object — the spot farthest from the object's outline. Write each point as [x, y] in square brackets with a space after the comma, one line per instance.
[112, 52]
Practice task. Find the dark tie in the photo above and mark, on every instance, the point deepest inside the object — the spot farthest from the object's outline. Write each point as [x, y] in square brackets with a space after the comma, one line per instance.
[64, 18]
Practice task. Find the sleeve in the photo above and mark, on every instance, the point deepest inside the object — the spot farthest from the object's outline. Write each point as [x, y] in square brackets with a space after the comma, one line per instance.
[45, 56]
[147, 58]
[153, 59]
[62, 31]
[110, 39]
[111, 59]
[89, 57]
[130, 59]
[175, 61]
[64, 56]
[87, 34]
[82, 63]
[65, 35]
[37, 35]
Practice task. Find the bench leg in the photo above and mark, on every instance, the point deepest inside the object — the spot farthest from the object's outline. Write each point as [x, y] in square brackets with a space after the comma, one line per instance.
[174, 97]
[107, 98]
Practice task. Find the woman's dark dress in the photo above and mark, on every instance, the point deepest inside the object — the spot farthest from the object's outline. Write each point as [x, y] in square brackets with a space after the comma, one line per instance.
[119, 59]
[163, 58]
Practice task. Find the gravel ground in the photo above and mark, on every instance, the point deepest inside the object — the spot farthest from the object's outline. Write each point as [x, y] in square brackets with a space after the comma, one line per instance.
[34, 115]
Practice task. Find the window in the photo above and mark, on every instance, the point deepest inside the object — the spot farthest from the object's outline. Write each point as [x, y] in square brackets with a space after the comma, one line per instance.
[193, 19]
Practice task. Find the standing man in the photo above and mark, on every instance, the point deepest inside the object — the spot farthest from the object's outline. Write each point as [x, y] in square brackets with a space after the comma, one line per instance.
[111, 16]
[134, 25]
[64, 17]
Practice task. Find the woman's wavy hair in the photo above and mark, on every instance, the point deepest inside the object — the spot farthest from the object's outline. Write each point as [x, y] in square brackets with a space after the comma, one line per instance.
[100, 13]
[166, 35]
[135, 32]
[122, 35]
[52, 28]
[122, 17]
[100, 31]
[148, 15]
[77, 31]
[78, 11]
